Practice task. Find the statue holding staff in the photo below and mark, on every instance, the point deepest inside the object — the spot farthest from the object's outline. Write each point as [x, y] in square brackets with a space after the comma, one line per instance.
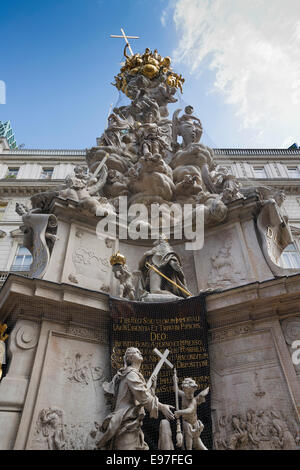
[192, 426]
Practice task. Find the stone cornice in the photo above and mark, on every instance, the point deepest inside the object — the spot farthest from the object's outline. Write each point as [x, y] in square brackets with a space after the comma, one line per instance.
[40, 299]
[218, 151]
[256, 301]
[66, 154]
[46, 152]
[27, 187]
[242, 153]
[44, 299]
[289, 186]
[67, 210]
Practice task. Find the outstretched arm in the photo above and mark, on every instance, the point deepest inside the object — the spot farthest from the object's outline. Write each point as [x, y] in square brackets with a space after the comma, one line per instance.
[200, 398]
[184, 412]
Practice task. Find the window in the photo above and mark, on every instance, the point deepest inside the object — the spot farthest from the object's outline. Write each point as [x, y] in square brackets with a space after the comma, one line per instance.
[293, 171]
[259, 172]
[23, 260]
[46, 173]
[290, 258]
[12, 172]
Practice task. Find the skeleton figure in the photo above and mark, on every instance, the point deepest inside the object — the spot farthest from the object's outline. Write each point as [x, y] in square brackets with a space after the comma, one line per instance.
[192, 426]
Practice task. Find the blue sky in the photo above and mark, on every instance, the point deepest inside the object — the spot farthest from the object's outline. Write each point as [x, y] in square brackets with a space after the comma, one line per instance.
[58, 62]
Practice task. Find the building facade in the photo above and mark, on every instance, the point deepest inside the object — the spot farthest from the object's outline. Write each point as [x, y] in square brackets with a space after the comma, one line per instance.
[24, 172]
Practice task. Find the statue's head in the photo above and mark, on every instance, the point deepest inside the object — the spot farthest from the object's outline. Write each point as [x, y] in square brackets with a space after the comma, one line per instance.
[132, 356]
[189, 386]
[280, 197]
[161, 239]
[21, 209]
[189, 109]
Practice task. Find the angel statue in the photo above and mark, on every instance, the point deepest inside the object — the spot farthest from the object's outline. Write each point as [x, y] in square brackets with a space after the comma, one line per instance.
[192, 426]
[187, 126]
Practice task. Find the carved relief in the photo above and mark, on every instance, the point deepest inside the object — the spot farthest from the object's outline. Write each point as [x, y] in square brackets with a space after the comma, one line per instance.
[223, 272]
[105, 288]
[256, 430]
[50, 428]
[258, 391]
[89, 333]
[80, 369]
[27, 335]
[53, 434]
[224, 334]
[73, 278]
[87, 263]
[291, 331]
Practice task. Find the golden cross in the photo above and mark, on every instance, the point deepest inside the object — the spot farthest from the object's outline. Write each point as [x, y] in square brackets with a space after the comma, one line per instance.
[125, 37]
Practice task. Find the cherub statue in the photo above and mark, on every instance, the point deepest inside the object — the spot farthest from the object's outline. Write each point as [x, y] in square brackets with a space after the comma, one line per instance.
[192, 426]
[123, 275]
[188, 126]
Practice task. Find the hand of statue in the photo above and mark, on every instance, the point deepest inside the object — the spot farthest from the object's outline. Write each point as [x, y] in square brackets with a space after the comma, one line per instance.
[154, 382]
[175, 379]
[177, 414]
[166, 411]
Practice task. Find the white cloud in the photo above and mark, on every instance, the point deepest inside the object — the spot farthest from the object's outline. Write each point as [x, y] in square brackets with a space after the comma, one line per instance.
[253, 47]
